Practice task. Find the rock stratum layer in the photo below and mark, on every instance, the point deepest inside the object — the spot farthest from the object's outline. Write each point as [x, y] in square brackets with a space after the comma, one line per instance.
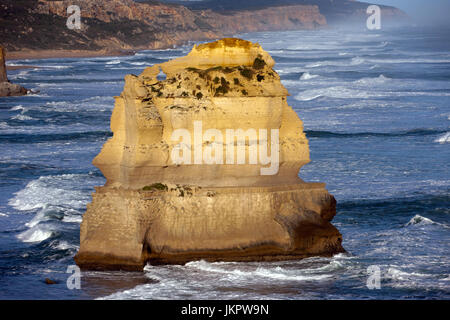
[155, 210]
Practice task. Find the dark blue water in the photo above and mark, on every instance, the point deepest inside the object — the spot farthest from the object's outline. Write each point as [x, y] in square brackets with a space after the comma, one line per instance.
[376, 109]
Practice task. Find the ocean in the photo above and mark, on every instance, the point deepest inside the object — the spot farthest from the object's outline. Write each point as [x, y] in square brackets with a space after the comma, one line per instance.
[376, 111]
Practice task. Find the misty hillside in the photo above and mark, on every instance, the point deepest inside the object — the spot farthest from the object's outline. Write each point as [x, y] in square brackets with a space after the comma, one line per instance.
[335, 11]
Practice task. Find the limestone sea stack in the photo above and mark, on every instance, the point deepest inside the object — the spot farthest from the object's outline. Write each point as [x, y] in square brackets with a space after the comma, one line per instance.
[204, 165]
[7, 88]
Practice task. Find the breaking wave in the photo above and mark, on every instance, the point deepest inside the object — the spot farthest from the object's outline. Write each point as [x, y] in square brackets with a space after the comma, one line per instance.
[308, 76]
[443, 138]
[35, 234]
[368, 81]
[56, 200]
[353, 62]
[419, 220]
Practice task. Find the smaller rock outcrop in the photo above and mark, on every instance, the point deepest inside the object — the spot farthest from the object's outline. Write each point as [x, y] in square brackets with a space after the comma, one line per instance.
[7, 88]
[3, 77]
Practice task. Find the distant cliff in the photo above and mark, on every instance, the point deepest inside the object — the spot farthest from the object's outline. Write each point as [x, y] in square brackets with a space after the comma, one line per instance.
[145, 24]
[335, 11]
[127, 24]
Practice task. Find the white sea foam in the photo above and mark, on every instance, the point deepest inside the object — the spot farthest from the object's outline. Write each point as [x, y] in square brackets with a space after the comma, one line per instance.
[273, 273]
[445, 138]
[3, 215]
[397, 274]
[55, 198]
[201, 279]
[62, 190]
[408, 280]
[363, 90]
[113, 62]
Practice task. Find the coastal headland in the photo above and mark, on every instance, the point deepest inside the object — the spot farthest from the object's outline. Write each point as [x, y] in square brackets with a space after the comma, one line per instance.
[37, 29]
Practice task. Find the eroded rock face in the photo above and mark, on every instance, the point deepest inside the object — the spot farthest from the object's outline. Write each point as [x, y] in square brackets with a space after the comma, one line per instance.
[155, 209]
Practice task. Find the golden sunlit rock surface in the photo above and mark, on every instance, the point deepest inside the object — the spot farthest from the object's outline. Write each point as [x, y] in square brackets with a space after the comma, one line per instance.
[154, 210]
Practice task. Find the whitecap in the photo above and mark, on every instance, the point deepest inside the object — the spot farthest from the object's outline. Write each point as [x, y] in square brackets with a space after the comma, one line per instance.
[138, 63]
[339, 92]
[409, 60]
[353, 62]
[22, 117]
[38, 218]
[64, 245]
[3, 215]
[60, 190]
[36, 234]
[54, 66]
[72, 218]
[418, 219]
[113, 62]
[16, 108]
[308, 76]
[4, 125]
[443, 138]
[370, 81]
[307, 97]
[422, 221]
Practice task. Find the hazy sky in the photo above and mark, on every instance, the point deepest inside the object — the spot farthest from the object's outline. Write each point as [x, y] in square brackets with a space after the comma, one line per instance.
[433, 11]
